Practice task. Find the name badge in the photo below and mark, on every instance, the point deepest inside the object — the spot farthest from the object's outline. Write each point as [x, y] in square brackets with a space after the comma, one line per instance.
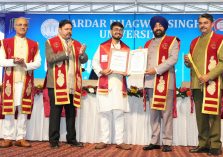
[104, 58]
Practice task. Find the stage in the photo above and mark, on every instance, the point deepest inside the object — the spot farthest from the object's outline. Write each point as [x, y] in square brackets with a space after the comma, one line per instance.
[137, 124]
[42, 149]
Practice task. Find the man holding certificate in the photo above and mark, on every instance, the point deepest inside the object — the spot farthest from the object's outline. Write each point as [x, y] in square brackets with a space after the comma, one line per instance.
[206, 63]
[112, 90]
[160, 83]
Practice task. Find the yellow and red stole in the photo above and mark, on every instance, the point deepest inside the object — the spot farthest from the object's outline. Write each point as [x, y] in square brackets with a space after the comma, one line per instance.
[211, 89]
[105, 49]
[8, 79]
[61, 90]
[160, 89]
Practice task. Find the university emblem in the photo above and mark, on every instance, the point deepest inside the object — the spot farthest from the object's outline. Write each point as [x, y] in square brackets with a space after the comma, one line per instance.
[60, 78]
[161, 85]
[49, 28]
[211, 88]
[8, 87]
[212, 63]
[218, 24]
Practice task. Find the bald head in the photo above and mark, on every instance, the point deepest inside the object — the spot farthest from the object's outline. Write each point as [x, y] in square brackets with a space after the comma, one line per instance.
[21, 26]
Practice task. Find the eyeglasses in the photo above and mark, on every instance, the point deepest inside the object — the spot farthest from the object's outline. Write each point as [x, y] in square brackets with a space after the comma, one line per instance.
[20, 25]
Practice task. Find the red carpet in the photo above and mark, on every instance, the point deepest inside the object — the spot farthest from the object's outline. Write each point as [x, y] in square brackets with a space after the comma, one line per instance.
[42, 149]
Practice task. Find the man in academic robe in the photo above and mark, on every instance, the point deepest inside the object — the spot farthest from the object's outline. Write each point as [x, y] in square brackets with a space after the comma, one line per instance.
[19, 56]
[206, 63]
[160, 83]
[64, 57]
[111, 92]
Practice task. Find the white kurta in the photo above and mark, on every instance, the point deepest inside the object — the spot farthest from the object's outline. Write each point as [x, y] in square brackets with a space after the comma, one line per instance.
[20, 51]
[9, 129]
[114, 100]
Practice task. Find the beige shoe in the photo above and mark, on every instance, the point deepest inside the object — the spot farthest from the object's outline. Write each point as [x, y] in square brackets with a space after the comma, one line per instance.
[101, 145]
[22, 143]
[124, 146]
[5, 143]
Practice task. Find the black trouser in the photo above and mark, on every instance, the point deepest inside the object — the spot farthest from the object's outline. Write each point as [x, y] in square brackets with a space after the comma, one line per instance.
[55, 114]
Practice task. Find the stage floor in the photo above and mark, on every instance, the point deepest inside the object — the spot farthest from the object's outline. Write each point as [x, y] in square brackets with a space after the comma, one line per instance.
[43, 149]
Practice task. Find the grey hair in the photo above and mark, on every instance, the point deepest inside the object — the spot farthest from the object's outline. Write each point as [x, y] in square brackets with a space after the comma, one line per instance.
[16, 19]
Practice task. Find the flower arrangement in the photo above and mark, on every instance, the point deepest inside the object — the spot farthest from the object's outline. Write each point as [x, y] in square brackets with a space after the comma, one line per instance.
[135, 91]
[132, 91]
[183, 92]
[89, 89]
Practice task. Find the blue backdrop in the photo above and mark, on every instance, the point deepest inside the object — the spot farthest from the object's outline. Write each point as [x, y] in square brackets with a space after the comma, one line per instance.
[93, 29]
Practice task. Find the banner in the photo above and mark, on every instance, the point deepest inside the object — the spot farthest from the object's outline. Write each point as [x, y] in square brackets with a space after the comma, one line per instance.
[2, 35]
[93, 29]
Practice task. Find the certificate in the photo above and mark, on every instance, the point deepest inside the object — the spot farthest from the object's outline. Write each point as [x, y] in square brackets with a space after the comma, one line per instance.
[137, 61]
[118, 62]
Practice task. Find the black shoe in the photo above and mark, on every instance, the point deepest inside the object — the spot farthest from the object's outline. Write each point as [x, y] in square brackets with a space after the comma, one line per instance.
[54, 145]
[199, 149]
[151, 147]
[166, 148]
[215, 151]
[75, 143]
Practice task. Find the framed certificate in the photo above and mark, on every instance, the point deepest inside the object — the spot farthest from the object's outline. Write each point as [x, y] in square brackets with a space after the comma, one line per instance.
[118, 61]
[137, 61]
